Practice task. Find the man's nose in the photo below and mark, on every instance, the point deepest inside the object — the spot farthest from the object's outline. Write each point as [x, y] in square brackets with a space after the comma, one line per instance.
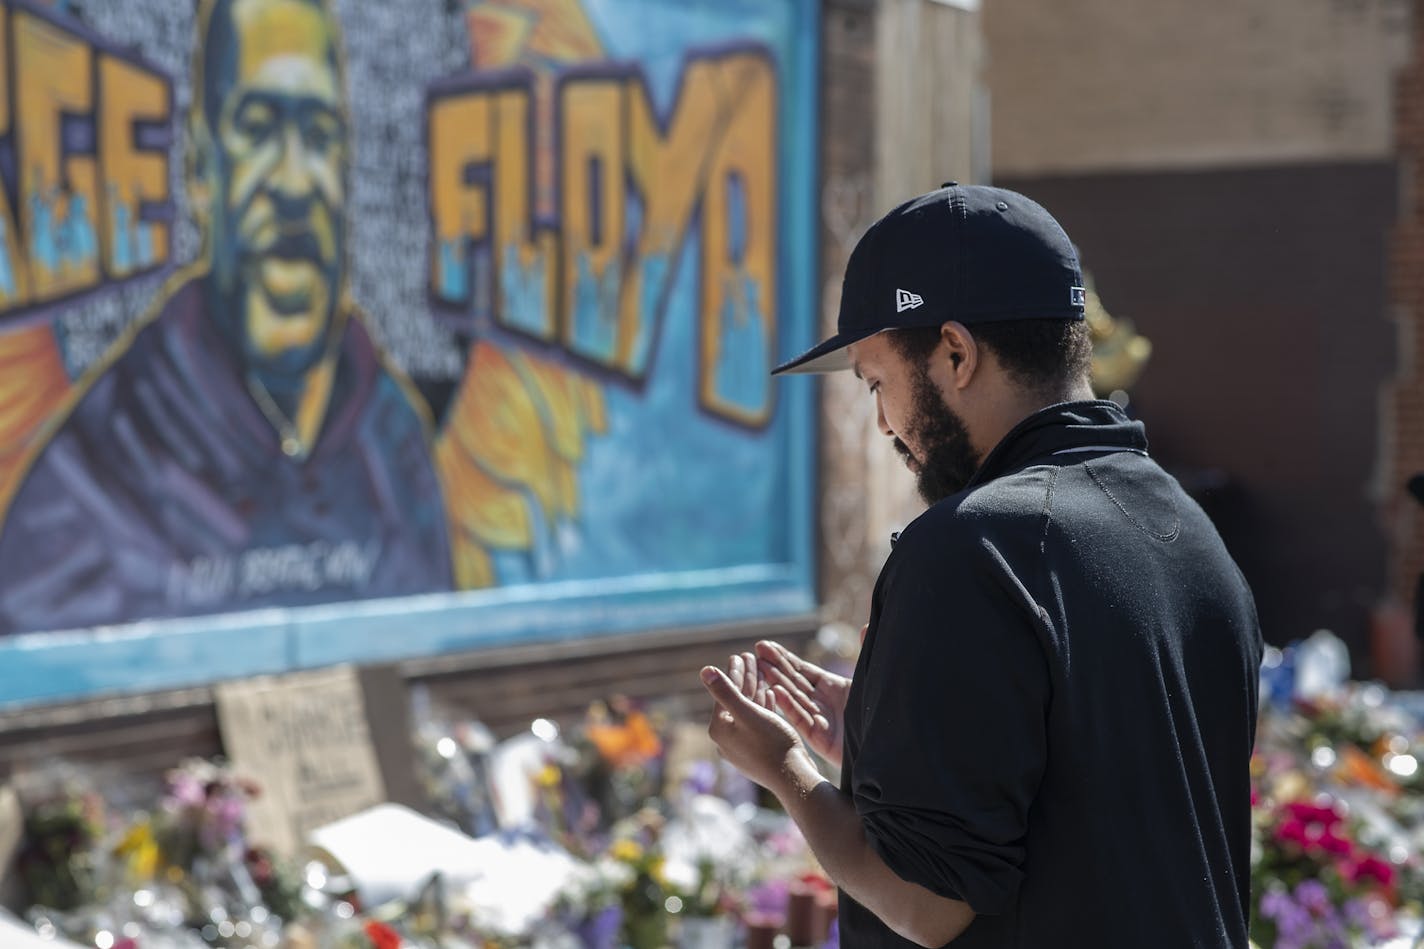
[885, 428]
[292, 178]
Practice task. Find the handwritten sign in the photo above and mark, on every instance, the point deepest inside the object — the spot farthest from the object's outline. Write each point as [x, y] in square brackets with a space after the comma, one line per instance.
[304, 737]
[11, 831]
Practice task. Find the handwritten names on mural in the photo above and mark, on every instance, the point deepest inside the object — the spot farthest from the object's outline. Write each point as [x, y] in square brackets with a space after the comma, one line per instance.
[262, 571]
[86, 196]
[631, 186]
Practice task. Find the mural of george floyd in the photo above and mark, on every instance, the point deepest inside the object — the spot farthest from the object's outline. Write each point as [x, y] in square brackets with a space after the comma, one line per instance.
[333, 330]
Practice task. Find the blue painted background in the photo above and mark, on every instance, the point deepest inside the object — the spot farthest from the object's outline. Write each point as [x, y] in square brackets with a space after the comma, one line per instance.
[683, 517]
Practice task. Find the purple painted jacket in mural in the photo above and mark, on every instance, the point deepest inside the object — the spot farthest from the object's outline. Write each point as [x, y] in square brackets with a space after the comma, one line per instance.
[166, 492]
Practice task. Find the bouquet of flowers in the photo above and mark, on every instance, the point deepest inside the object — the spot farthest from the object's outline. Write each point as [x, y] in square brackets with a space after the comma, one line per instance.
[1316, 884]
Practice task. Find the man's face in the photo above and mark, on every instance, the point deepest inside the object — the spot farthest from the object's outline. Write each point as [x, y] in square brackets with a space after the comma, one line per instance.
[281, 162]
[910, 408]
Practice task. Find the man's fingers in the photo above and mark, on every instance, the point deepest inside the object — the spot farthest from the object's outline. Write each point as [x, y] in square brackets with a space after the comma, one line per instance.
[790, 685]
[803, 673]
[727, 695]
[735, 671]
[802, 718]
[751, 678]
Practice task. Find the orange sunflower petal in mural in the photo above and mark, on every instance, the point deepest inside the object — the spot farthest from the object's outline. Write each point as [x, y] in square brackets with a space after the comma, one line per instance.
[33, 385]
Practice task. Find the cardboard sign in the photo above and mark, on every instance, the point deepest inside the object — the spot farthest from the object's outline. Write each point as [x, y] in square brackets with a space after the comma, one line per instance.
[12, 827]
[305, 738]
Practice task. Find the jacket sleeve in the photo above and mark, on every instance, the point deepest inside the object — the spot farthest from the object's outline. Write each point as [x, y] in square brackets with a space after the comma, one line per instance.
[953, 724]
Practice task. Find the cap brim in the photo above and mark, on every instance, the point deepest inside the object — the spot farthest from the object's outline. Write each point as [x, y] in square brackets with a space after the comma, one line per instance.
[829, 356]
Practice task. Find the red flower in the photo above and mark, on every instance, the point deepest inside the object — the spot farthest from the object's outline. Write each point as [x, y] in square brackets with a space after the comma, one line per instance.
[382, 936]
[1331, 842]
[1293, 832]
[1369, 868]
[1307, 813]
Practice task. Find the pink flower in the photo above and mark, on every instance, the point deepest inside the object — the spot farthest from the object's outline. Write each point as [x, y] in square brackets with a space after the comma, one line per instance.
[185, 790]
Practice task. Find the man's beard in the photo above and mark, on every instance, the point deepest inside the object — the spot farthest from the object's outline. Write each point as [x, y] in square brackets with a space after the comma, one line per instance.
[949, 459]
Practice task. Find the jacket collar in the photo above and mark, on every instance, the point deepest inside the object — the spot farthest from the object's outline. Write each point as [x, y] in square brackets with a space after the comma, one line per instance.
[1068, 429]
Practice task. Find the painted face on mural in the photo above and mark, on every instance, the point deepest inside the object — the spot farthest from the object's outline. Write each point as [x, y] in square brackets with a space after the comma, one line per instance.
[280, 161]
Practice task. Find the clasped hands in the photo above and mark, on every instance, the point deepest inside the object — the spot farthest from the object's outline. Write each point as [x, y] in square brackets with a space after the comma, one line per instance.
[746, 727]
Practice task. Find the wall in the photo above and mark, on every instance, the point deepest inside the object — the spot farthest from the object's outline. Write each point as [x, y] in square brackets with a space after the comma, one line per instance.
[356, 331]
[1229, 176]
[1099, 85]
[1262, 292]
[904, 111]
[1402, 400]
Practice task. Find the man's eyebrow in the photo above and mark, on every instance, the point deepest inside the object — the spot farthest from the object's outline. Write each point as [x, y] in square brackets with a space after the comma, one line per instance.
[276, 100]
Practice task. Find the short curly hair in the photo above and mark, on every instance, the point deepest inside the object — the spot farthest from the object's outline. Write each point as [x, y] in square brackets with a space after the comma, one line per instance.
[1040, 355]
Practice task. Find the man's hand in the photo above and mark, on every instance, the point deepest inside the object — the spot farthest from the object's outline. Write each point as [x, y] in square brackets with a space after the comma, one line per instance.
[758, 742]
[811, 698]
[765, 748]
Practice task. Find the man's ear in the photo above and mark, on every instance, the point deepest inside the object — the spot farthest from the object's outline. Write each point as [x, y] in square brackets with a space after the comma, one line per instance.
[958, 348]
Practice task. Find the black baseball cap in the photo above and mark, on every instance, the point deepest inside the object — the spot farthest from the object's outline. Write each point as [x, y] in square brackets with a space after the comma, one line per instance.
[969, 253]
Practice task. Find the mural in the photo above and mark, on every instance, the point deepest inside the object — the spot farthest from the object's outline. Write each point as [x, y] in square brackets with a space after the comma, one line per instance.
[320, 302]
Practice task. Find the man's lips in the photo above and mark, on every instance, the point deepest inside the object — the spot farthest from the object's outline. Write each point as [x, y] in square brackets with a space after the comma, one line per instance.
[291, 245]
[905, 455]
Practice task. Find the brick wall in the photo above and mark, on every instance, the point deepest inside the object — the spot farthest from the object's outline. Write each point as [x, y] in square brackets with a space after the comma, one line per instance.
[1098, 85]
[848, 128]
[1402, 411]
[901, 112]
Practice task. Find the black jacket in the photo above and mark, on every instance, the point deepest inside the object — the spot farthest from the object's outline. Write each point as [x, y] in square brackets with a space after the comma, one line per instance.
[1053, 712]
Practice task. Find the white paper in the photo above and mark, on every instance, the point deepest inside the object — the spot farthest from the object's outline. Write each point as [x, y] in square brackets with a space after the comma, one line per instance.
[390, 851]
[526, 879]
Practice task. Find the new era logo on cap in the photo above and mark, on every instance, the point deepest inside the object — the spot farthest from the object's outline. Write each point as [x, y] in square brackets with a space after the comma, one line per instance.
[1077, 296]
[905, 300]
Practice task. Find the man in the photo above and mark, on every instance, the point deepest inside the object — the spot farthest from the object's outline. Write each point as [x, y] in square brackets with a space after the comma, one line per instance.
[1047, 736]
[244, 445]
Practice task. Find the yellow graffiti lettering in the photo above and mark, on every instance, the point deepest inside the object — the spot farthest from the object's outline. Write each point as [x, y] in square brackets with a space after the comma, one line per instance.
[85, 178]
[481, 196]
[13, 263]
[523, 256]
[746, 154]
[592, 163]
[595, 280]
[459, 138]
[60, 193]
[132, 177]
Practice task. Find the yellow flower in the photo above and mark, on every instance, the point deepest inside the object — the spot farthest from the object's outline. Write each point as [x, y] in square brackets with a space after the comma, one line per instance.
[626, 850]
[140, 852]
[549, 776]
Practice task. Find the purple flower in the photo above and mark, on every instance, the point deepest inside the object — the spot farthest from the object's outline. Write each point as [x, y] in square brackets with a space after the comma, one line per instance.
[769, 898]
[701, 777]
[1313, 895]
[600, 931]
[1275, 902]
[1296, 927]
